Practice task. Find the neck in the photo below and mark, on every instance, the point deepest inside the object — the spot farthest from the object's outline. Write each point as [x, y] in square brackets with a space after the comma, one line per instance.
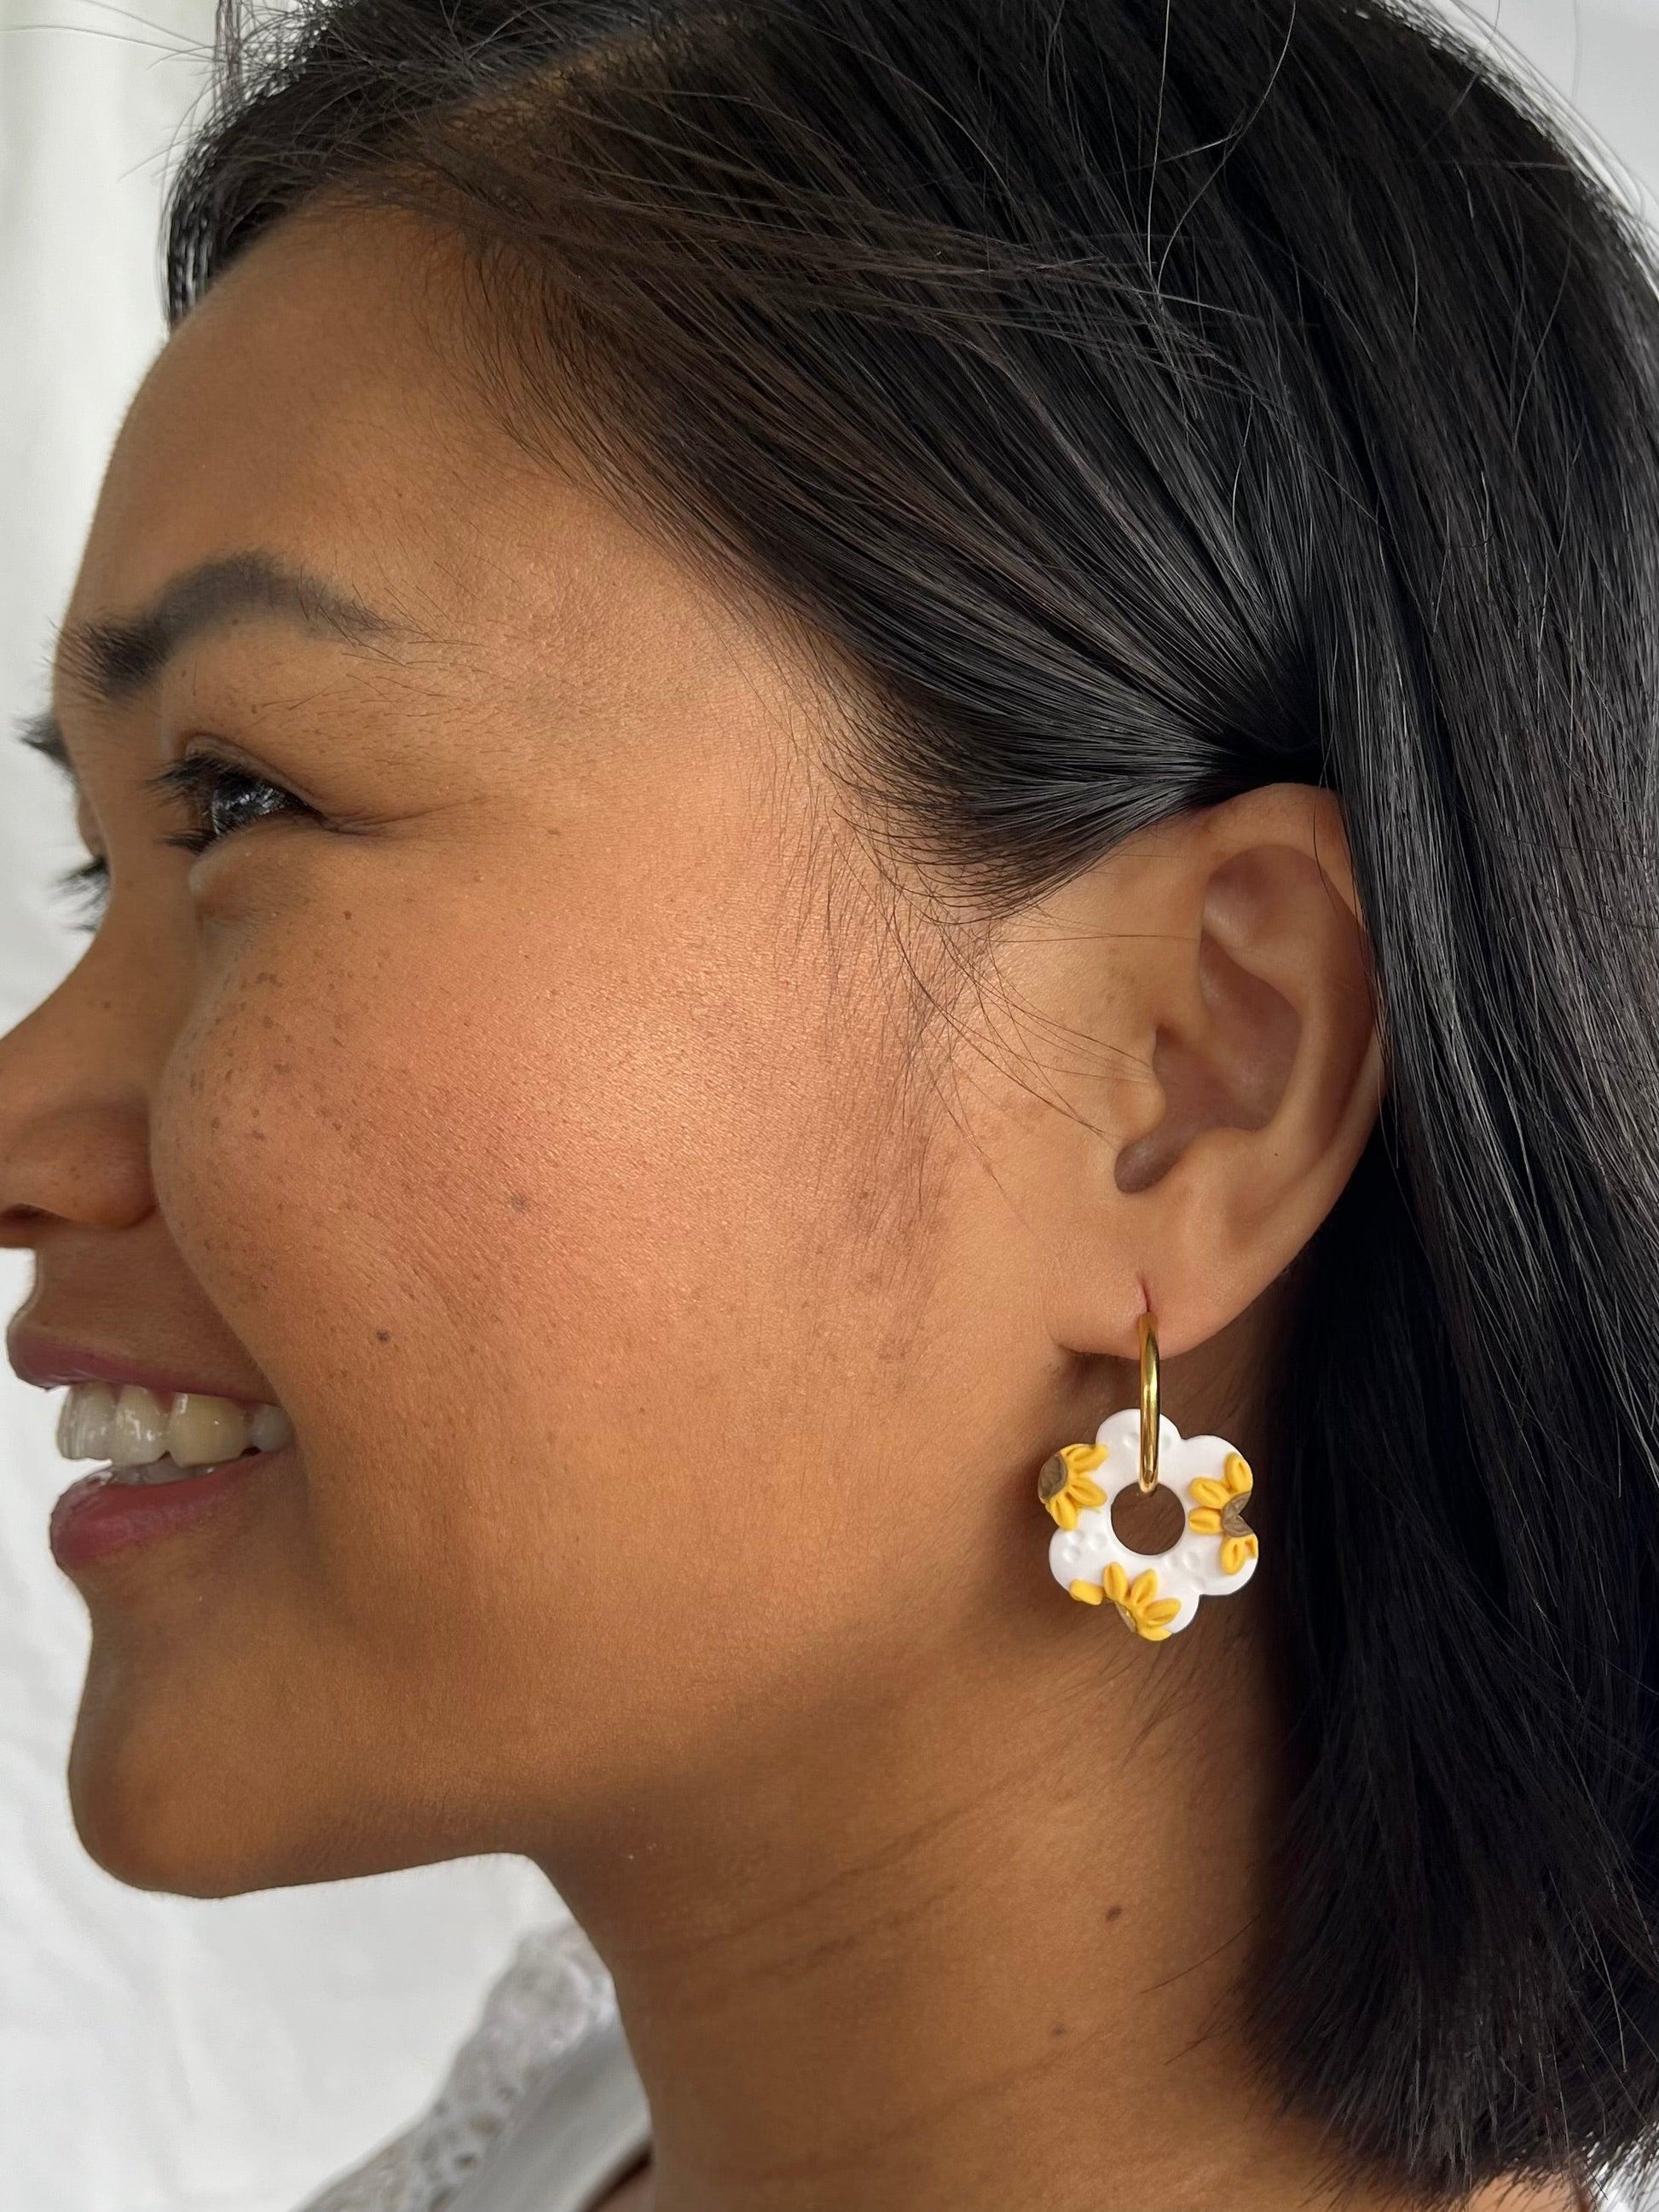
[977, 1941]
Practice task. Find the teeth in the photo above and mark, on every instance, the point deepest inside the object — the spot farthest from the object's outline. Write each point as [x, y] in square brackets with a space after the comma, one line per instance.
[83, 1424]
[138, 1430]
[134, 1429]
[270, 1428]
[202, 1430]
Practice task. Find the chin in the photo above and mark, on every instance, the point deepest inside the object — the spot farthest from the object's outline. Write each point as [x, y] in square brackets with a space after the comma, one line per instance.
[145, 1836]
[161, 1805]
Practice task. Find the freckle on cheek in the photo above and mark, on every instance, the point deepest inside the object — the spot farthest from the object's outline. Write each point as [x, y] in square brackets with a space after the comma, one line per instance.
[518, 1201]
[383, 1336]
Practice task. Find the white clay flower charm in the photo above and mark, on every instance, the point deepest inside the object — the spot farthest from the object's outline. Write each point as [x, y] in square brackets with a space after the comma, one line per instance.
[1154, 1594]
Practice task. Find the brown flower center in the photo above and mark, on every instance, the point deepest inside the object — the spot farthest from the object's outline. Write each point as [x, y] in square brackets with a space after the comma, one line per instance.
[1233, 1522]
[1054, 1478]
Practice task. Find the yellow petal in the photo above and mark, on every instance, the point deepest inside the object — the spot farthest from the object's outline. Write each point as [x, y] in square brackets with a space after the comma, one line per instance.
[1144, 1586]
[1064, 1511]
[1237, 1469]
[1086, 1491]
[1207, 1521]
[1234, 1553]
[1117, 1582]
[1090, 1593]
[1206, 1492]
[1163, 1609]
[1081, 1457]
[1158, 1635]
[1251, 1546]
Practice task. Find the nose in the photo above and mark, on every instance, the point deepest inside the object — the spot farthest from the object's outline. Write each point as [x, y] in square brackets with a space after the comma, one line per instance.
[74, 1110]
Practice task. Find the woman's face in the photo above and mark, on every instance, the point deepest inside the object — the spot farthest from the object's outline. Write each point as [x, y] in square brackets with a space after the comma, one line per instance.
[525, 1093]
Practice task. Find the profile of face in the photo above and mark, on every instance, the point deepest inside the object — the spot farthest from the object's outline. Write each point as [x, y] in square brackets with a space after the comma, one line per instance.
[674, 1258]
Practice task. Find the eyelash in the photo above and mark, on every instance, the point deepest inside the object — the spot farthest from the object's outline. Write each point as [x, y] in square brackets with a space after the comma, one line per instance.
[198, 779]
[88, 885]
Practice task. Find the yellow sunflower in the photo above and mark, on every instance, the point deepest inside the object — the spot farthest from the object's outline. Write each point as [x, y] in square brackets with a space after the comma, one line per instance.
[1139, 1604]
[1064, 1484]
[1220, 1511]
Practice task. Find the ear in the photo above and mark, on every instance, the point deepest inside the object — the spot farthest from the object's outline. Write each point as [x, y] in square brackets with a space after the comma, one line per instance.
[1219, 963]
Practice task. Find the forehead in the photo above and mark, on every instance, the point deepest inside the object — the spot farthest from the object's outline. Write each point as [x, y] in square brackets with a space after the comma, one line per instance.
[316, 405]
[301, 406]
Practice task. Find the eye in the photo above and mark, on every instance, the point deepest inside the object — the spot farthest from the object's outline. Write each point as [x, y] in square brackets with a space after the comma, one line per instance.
[220, 797]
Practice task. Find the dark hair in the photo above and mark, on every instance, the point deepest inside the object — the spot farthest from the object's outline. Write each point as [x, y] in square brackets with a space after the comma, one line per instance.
[1148, 400]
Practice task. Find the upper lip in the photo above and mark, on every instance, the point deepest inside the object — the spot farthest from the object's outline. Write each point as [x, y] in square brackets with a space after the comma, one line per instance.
[50, 1362]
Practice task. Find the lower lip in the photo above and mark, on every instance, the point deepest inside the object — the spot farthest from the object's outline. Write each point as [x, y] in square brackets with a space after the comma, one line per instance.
[96, 1515]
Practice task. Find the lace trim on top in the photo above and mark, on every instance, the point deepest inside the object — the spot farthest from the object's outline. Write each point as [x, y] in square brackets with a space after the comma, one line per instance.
[554, 1990]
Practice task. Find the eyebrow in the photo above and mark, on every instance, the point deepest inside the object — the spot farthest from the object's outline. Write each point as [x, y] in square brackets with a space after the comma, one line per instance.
[113, 656]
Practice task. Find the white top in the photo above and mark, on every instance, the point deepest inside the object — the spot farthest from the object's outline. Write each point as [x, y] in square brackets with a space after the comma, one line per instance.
[542, 2110]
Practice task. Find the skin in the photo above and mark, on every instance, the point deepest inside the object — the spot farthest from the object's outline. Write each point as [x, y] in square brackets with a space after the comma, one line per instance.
[672, 1311]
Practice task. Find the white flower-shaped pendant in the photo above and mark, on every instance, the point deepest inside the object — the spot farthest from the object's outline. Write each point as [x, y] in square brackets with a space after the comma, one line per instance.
[1155, 1593]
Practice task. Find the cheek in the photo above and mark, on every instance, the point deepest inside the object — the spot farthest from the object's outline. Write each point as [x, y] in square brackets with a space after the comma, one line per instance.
[554, 1234]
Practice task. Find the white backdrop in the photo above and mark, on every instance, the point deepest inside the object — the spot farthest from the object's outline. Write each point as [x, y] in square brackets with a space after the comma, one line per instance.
[163, 2054]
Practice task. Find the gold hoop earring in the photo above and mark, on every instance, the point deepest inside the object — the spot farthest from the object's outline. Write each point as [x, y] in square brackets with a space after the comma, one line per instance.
[1146, 1332]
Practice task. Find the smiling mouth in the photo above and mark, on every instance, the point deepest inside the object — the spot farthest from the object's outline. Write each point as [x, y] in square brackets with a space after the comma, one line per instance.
[150, 1437]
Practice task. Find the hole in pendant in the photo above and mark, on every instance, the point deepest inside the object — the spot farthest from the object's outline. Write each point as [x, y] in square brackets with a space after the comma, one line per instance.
[1148, 1521]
